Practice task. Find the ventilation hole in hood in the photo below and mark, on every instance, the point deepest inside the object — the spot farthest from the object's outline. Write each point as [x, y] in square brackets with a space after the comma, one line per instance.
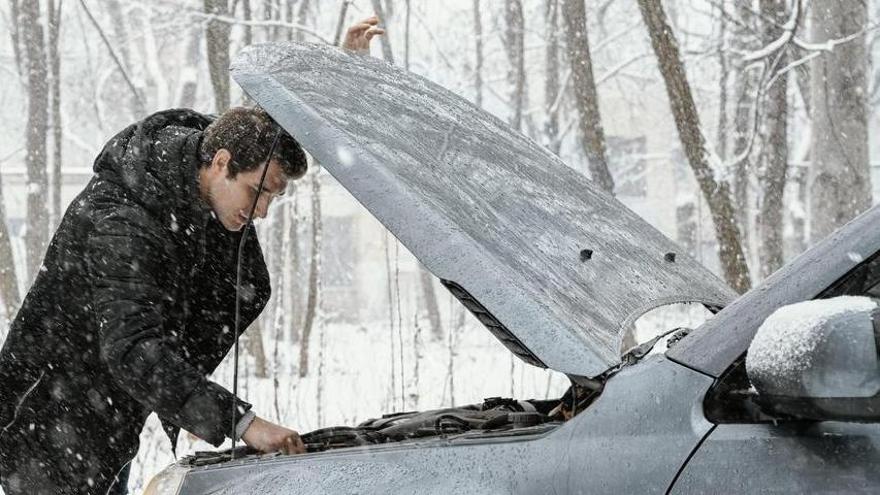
[500, 332]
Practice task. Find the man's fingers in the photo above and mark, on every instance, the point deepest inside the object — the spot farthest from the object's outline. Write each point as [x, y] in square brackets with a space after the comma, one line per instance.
[285, 446]
[363, 25]
[360, 27]
[293, 445]
[358, 36]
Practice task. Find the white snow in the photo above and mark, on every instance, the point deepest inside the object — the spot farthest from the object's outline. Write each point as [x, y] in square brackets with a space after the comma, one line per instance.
[854, 256]
[345, 156]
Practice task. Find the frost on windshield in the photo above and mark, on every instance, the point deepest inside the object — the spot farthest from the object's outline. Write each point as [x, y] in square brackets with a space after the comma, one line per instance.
[793, 341]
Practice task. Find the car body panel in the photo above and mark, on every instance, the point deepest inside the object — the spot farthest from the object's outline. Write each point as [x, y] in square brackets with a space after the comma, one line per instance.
[829, 457]
[551, 258]
[633, 439]
[713, 346]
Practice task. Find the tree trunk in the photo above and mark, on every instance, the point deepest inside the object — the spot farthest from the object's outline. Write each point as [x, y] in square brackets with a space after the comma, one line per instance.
[121, 31]
[426, 280]
[289, 18]
[586, 98]
[840, 187]
[121, 43]
[551, 78]
[455, 329]
[802, 77]
[283, 308]
[744, 86]
[387, 54]
[272, 12]
[723, 72]
[686, 228]
[8, 281]
[478, 53]
[418, 354]
[268, 9]
[217, 44]
[687, 121]
[797, 242]
[407, 22]
[314, 273]
[255, 348]
[55, 105]
[319, 396]
[248, 16]
[340, 22]
[15, 34]
[37, 232]
[149, 58]
[514, 46]
[295, 295]
[273, 252]
[389, 286]
[802, 72]
[775, 146]
[302, 15]
[189, 76]
[429, 296]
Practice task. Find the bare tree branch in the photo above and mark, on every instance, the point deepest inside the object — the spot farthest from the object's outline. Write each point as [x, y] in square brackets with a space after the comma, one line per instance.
[131, 86]
[266, 23]
[387, 54]
[340, 23]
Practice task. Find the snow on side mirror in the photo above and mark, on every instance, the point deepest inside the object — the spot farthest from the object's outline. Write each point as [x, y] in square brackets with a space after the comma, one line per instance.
[819, 360]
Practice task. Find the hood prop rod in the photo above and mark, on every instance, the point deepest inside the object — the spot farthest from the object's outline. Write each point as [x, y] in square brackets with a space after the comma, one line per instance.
[239, 254]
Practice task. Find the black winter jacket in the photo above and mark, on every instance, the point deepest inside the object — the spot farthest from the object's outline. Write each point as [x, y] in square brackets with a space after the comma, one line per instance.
[132, 308]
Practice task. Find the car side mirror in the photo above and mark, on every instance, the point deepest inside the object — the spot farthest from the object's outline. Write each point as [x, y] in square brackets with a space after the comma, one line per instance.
[818, 360]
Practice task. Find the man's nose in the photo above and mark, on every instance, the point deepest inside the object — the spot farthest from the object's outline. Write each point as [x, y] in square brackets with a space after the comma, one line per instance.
[262, 208]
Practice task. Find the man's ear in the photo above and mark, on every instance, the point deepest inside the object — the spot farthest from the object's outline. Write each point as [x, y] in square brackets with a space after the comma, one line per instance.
[220, 162]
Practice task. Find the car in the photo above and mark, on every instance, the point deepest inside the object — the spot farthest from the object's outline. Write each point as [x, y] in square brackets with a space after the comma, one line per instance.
[559, 271]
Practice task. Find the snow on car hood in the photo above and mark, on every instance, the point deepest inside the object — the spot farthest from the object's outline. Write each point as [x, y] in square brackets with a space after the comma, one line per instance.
[553, 266]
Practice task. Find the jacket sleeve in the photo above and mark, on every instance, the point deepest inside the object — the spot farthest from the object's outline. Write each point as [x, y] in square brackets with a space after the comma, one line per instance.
[126, 251]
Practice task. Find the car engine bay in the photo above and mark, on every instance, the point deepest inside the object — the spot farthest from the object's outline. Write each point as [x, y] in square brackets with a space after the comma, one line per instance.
[494, 417]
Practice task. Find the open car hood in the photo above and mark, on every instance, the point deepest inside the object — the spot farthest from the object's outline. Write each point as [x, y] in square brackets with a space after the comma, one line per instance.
[556, 268]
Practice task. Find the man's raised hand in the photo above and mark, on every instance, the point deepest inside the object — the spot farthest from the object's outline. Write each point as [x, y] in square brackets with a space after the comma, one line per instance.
[358, 36]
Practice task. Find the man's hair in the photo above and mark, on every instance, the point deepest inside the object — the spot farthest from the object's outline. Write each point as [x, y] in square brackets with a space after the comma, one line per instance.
[247, 133]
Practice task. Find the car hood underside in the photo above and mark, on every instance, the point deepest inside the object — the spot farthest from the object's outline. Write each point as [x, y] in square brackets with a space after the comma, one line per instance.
[555, 267]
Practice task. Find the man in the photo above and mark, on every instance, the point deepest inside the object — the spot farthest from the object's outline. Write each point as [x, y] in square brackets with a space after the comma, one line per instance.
[134, 303]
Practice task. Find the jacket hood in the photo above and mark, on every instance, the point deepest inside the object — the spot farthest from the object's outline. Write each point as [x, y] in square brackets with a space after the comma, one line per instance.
[554, 267]
[156, 160]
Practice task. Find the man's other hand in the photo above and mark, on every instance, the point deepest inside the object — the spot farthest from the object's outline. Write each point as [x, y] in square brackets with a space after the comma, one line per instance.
[268, 437]
[358, 36]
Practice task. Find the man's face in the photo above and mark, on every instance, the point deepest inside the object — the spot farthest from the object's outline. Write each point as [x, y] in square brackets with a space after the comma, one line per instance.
[232, 198]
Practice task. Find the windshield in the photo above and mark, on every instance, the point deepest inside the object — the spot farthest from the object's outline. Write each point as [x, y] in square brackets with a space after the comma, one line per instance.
[661, 320]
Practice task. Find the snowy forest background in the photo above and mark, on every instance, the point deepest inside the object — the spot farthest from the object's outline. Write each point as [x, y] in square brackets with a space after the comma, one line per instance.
[740, 129]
